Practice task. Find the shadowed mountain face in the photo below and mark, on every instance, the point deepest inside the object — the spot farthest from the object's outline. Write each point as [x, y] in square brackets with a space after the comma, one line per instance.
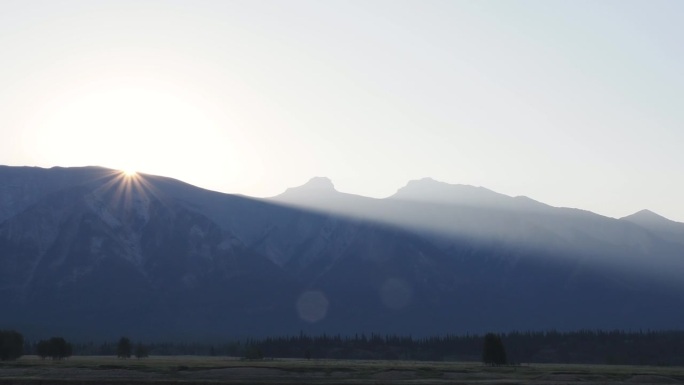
[113, 254]
[90, 253]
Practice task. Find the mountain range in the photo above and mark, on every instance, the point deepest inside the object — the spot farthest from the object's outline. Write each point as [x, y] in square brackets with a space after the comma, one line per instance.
[92, 253]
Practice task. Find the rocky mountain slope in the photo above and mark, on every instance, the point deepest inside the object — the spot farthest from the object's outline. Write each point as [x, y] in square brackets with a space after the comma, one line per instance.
[89, 252]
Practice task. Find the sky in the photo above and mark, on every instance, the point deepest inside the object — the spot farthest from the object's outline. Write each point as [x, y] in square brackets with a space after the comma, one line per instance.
[572, 103]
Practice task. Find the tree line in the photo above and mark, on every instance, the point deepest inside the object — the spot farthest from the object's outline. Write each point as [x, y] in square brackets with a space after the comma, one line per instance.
[583, 347]
[13, 346]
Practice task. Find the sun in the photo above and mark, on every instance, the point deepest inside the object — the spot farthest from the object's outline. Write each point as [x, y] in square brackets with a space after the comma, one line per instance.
[133, 114]
[128, 173]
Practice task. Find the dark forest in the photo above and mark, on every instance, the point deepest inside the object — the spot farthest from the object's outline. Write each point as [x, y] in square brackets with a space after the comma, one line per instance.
[582, 347]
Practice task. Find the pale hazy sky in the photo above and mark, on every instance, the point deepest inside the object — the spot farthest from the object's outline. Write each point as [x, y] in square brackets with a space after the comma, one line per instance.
[573, 103]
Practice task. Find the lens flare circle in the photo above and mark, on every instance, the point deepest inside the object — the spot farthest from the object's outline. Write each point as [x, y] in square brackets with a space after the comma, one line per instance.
[396, 293]
[312, 306]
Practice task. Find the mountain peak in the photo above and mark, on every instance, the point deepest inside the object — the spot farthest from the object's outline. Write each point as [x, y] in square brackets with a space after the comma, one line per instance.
[431, 190]
[318, 183]
[427, 181]
[315, 186]
[646, 216]
[665, 228]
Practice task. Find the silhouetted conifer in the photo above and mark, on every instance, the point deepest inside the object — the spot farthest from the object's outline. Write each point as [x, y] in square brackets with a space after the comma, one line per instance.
[124, 349]
[493, 352]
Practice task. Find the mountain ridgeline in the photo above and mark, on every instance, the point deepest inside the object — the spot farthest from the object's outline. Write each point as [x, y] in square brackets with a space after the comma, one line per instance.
[91, 253]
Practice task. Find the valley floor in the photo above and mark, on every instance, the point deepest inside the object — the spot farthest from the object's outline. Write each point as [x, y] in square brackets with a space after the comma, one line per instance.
[30, 370]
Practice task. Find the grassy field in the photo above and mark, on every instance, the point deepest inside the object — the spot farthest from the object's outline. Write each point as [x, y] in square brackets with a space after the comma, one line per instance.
[222, 370]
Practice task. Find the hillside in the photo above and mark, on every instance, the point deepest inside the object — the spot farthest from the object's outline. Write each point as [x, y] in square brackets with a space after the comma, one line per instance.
[90, 253]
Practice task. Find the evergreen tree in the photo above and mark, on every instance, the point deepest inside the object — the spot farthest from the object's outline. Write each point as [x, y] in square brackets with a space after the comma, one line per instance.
[60, 348]
[56, 347]
[141, 351]
[493, 352]
[124, 349]
[253, 352]
[11, 345]
[43, 349]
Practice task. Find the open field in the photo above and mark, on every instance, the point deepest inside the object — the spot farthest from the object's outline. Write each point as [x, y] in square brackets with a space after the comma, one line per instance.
[222, 370]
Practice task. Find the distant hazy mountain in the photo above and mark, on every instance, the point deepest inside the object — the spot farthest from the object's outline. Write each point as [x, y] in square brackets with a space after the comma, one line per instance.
[88, 252]
[659, 225]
